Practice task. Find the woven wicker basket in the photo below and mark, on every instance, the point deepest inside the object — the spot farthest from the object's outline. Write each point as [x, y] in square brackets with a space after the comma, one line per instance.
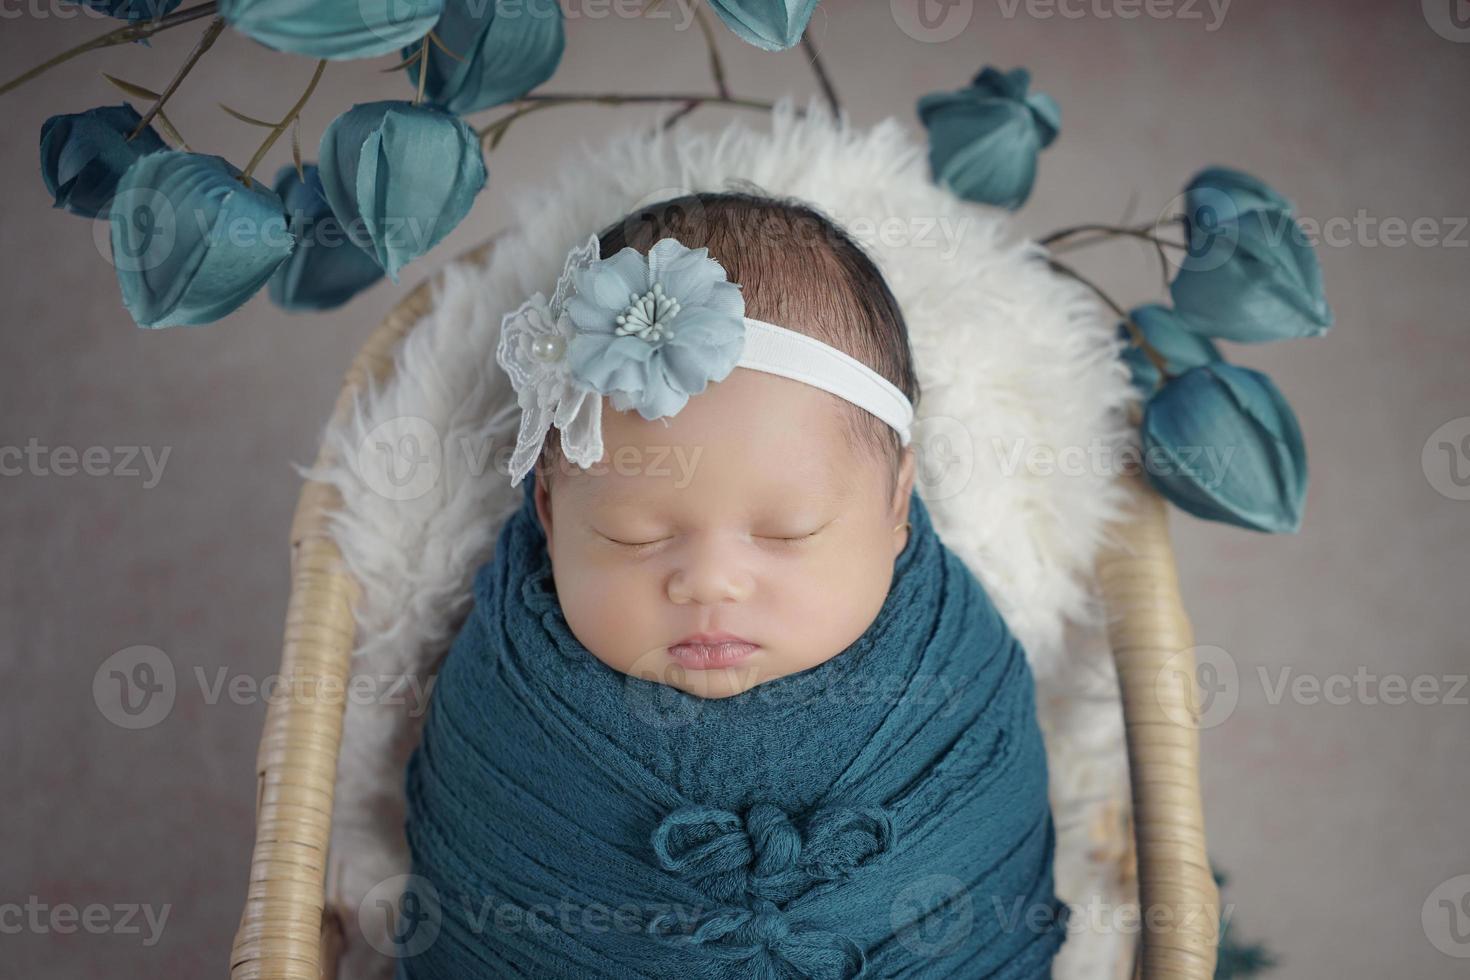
[286, 933]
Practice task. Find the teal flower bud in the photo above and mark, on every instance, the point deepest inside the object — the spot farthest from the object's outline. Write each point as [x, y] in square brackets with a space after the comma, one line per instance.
[1250, 274]
[1170, 337]
[326, 269]
[1221, 442]
[400, 177]
[335, 29]
[774, 25]
[190, 242]
[505, 48]
[984, 140]
[85, 154]
[1229, 193]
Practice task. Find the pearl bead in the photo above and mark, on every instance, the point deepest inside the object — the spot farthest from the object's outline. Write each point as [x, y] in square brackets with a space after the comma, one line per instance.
[549, 348]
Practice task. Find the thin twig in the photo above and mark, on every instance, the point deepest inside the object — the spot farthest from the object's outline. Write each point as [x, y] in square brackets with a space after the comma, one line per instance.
[122, 35]
[139, 92]
[1105, 231]
[495, 131]
[206, 41]
[821, 71]
[423, 71]
[622, 99]
[678, 114]
[1163, 264]
[284, 124]
[716, 66]
[1134, 330]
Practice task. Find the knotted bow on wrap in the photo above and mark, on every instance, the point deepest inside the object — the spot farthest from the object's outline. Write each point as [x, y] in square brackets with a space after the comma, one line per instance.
[809, 827]
[762, 858]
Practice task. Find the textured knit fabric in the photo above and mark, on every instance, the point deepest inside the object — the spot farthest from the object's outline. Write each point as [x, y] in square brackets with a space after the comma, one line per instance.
[883, 814]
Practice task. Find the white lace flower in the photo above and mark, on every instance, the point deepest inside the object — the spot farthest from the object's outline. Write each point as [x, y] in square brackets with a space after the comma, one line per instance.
[532, 351]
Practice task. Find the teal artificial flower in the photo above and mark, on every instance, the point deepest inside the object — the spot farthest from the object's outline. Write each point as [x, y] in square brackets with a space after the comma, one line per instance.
[326, 269]
[1250, 273]
[1221, 442]
[505, 48]
[335, 29]
[190, 241]
[1169, 335]
[1229, 193]
[984, 140]
[650, 331]
[85, 154]
[400, 177]
[773, 25]
[132, 10]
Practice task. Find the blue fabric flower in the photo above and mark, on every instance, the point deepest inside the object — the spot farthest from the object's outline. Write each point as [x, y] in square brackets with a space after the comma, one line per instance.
[773, 25]
[984, 140]
[505, 49]
[335, 29]
[1169, 335]
[1250, 274]
[85, 154]
[399, 177]
[1223, 444]
[653, 330]
[326, 269]
[190, 241]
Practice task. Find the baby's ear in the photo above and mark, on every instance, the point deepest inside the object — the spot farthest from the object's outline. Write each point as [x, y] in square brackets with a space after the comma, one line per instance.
[543, 504]
[907, 472]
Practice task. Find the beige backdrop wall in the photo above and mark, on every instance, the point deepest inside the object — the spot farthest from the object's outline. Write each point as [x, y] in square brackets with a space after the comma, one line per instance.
[1337, 814]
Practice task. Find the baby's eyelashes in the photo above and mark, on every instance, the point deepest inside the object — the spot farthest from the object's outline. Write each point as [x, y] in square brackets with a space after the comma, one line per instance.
[643, 546]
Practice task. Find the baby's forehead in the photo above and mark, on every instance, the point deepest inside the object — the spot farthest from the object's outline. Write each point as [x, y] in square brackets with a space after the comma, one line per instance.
[767, 439]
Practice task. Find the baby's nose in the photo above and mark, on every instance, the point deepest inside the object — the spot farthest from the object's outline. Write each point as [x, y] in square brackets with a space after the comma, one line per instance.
[708, 578]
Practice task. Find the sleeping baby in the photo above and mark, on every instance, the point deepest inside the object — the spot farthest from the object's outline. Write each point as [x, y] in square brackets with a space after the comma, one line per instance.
[725, 705]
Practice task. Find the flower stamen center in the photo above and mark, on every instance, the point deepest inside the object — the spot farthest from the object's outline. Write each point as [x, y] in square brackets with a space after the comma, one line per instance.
[648, 316]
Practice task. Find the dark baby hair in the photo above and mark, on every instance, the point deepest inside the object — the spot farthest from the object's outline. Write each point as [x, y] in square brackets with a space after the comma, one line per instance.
[797, 269]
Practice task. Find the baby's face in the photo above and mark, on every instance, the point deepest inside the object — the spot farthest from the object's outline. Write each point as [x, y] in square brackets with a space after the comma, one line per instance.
[744, 514]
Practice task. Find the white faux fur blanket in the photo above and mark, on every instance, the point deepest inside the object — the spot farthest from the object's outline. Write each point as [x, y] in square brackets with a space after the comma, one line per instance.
[1019, 373]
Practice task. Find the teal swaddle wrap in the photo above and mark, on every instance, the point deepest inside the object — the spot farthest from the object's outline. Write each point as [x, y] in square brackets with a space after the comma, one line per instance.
[883, 814]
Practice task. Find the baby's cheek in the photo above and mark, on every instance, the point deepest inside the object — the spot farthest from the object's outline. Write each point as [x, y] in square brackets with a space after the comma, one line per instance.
[608, 613]
[831, 603]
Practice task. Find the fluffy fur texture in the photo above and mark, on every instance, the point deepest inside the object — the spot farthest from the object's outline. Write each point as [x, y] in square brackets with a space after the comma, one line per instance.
[1015, 363]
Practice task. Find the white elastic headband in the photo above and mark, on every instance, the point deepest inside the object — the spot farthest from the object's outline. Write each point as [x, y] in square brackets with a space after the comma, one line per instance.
[587, 341]
[801, 357]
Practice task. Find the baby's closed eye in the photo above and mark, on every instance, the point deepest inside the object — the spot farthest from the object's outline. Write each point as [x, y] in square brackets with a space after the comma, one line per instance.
[643, 543]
